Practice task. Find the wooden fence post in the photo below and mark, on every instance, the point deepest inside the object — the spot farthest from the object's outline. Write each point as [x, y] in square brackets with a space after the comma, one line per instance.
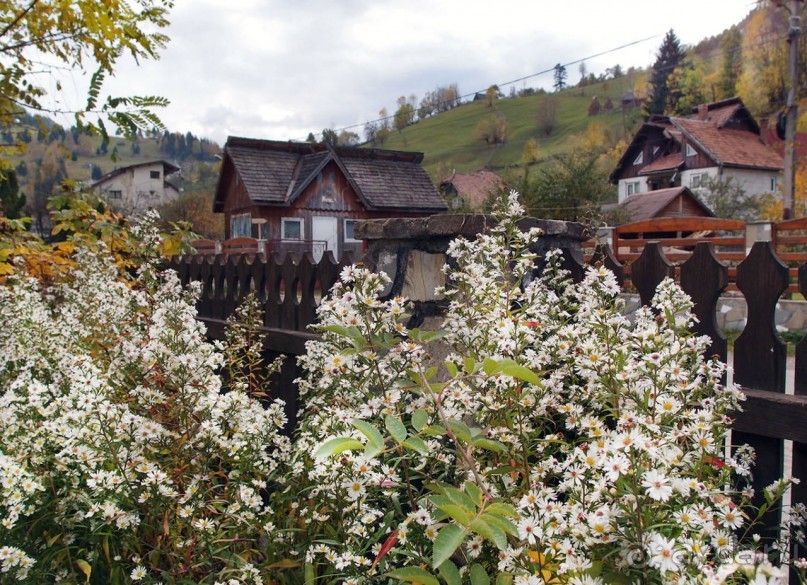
[759, 358]
[703, 278]
[649, 270]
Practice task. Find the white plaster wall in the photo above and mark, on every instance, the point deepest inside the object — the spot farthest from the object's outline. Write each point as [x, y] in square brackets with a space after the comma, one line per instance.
[139, 191]
[753, 182]
[686, 176]
[622, 191]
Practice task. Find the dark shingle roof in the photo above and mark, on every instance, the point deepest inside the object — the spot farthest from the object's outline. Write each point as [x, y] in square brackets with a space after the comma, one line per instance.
[275, 173]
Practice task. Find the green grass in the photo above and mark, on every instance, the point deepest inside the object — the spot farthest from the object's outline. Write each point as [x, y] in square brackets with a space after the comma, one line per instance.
[448, 140]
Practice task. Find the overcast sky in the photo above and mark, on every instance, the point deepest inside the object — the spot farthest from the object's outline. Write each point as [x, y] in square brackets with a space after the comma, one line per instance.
[279, 69]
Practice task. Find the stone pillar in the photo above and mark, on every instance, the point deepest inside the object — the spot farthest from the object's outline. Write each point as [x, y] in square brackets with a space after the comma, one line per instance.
[412, 251]
[757, 231]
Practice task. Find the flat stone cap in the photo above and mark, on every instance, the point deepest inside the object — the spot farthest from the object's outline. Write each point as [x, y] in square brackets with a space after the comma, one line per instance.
[453, 225]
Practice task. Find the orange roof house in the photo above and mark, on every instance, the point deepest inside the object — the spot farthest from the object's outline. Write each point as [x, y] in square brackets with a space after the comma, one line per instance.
[471, 190]
[719, 141]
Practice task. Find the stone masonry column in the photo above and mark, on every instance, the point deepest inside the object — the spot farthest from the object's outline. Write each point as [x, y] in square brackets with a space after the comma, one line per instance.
[412, 252]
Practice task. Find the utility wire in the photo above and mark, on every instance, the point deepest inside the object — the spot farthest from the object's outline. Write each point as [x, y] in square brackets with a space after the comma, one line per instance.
[714, 52]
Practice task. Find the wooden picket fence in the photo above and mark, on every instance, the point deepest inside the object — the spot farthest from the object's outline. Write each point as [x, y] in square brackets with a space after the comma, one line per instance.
[291, 286]
[731, 240]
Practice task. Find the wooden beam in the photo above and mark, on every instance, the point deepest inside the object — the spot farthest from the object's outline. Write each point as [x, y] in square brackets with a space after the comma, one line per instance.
[770, 414]
[279, 340]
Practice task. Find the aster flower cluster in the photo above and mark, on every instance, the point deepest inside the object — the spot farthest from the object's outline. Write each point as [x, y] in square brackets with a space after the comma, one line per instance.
[122, 457]
[558, 442]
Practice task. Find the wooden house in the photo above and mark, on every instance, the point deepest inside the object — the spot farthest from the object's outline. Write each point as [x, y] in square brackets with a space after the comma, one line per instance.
[307, 197]
[718, 141]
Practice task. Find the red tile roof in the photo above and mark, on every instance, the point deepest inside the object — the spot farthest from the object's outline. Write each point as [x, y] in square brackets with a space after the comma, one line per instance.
[665, 163]
[476, 187]
[730, 147]
[649, 205]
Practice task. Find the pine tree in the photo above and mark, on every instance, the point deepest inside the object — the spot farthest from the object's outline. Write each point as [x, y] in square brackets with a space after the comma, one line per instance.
[670, 56]
[11, 200]
[731, 47]
[560, 77]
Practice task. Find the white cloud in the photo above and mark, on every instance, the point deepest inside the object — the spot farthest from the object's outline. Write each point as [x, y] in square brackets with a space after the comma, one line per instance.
[280, 69]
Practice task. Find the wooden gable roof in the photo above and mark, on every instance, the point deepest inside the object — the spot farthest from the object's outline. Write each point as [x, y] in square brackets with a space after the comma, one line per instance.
[672, 202]
[277, 173]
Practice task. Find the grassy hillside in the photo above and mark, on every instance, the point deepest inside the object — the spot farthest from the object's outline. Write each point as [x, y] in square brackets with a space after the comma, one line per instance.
[449, 139]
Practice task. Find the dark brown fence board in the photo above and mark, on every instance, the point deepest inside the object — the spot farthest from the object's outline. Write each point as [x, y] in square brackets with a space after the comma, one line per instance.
[703, 278]
[649, 270]
[759, 358]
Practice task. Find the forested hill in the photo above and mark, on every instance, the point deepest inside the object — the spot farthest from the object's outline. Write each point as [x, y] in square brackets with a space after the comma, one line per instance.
[49, 153]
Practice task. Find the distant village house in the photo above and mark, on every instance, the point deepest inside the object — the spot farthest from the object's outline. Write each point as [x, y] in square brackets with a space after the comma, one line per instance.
[137, 188]
[471, 191]
[719, 141]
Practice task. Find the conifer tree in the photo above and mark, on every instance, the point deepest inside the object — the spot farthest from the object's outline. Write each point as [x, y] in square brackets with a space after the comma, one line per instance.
[11, 200]
[560, 77]
[670, 56]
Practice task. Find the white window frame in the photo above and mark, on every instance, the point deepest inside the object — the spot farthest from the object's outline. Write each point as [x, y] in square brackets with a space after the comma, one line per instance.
[344, 228]
[774, 184]
[691, 150]
[697, 180]
[115, 194]
[632, 188]
[288, 220]
[639, 158]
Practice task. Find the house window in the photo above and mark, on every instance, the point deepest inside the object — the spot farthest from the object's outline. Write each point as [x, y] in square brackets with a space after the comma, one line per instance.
[691, 151]
[699, 180]
[241, 225]
[116, 194]
[655, 150]
[350, 225]
[154, 174]
[774, 184]
[632, 188]
[292, 228]
[639, 159]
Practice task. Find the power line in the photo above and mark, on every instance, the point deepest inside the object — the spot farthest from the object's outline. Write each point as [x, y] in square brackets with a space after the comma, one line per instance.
[709, 54]
[524, 78]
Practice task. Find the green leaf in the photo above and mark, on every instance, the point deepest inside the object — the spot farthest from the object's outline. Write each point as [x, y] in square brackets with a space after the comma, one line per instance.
[450, 574]
[452, 369]
[521, 373]
[416, 444]
[501, 509]
[504, 579]
[458, 497]
[493, 533]
[448, 540]
[491, 366]
[430, 372]
[488, 444]
[501, 522]
[338, 329]
[414, 575]
[396, 428]
[471, 366]
[337, 445]
[309, 574]
[460, 430]
[375, 441]
[85, 568]
[478, 575]
[420, 419]
[457, 512]
[474, 493]
[434, 431]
